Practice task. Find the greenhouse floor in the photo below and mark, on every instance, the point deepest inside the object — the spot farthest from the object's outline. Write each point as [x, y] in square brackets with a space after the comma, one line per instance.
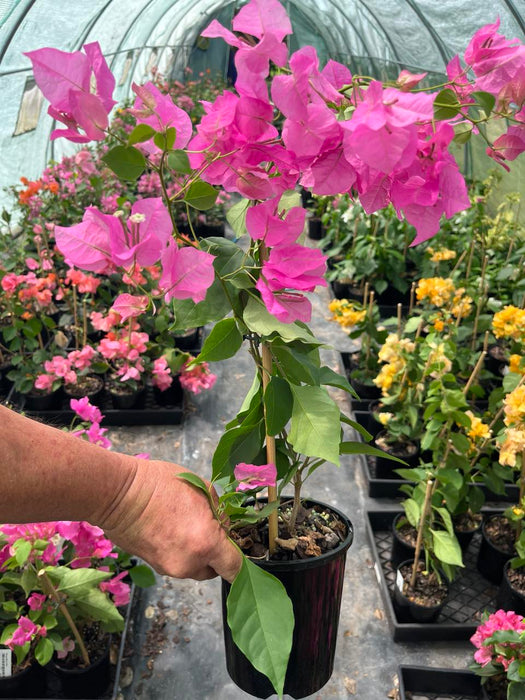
[177, 636]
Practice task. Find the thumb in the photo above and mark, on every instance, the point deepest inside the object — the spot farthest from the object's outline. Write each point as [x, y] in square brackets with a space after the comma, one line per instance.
[227, 560]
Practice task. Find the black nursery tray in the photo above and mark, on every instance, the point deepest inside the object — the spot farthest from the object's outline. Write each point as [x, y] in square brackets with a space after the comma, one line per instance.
[150, 412]
[113, 689]
[420, 683]
[389, 488]
[470, 593]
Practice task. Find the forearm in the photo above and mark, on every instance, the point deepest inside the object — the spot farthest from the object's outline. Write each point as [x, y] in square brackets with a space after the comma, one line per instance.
[47, 474]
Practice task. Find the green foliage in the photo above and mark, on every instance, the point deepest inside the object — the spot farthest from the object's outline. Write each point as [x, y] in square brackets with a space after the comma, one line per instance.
[127, 162]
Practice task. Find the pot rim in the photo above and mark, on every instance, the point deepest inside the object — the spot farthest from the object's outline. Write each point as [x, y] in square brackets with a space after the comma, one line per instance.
[412, 602]
[312, 562]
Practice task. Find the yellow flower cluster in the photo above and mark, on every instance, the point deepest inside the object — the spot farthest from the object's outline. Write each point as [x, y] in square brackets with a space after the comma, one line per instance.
[514, 364]
[509, 323]
[392, 354]
[441, 254]
[514, 444]
[345, 313]
[461, 304]
[478, 429]
[385, 417]
[437, 290]
[514, 407]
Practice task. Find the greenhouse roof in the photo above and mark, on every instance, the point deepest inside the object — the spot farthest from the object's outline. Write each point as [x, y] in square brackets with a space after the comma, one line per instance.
[371, 36]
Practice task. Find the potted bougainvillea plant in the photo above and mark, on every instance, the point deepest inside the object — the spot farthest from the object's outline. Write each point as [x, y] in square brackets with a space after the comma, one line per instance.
[330, 132]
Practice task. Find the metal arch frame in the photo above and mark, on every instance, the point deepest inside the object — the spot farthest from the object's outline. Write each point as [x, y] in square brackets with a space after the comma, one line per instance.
[514, 12]
[437, 40]
[385, 33]
[14, 29]
[83, 36]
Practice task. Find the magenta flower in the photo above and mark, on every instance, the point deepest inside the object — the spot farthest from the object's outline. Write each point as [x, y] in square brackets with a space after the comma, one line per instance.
[296, 267]
[143, 237]
[85, 410]
[253, 476]
[66, 80]
[88, 540]
[68, 645]
[129, 306]
[263, 222]
[117, 588]
[285, 306]
[87, 245]
[187, 273]
[159, 111]
[26, 631]
[36, 601]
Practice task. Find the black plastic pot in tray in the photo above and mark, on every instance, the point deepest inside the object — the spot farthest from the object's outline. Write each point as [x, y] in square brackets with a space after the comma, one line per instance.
[151, 414]
[470, 594]
[53, 691]
[389, 488]
[443, 683]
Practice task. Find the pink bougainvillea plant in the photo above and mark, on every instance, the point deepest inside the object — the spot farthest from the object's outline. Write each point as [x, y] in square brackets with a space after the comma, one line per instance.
[321, 128]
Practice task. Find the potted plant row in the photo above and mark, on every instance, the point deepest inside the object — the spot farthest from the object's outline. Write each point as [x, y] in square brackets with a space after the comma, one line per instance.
[289, 424]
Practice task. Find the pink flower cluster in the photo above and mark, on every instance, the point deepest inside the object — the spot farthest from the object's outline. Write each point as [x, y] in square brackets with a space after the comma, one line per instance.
[88, 542]
[125, 350]
[252, 476]
[91, 414]
[197, 378]
[25, 633]
[29, 288]
[30, 532]
[85, 284]
[161, 374]
[506, 652]
[60, 368]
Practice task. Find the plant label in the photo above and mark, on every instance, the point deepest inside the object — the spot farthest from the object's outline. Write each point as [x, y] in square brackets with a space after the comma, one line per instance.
[5, 663]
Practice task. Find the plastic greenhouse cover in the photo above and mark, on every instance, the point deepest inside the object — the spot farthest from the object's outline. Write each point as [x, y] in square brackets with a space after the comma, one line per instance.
[371, 36]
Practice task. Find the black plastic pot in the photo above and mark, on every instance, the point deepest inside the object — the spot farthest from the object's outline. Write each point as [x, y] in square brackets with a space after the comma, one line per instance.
[43, 402]
[491, 559]
[385, 468]
[125, 401]
[401, 549]
[407, 610]
[464, 537]
[5, 383]
[315, 587]
[345, 290]
[187, 340]
[172, 396]
[495, 359]
[90, 682]
[315, 229]
[365, 391]
[508, 597]
[210, 230]
[29, 683]
[94, 394]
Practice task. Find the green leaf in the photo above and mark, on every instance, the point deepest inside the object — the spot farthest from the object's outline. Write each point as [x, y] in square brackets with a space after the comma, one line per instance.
[315, 427]
[222, 343]
[141, 133]
[22, 550]
[361, 448]
[127, 162]
[260, 320]
[447, 520]
[461, 442]
[462, 133]
[260, 616]
[97, 605]
[179, 162]
[76, 582]
[195, 480]
[241, 444]
[142, 576]
[446, 548]
[328, 376]
[201, 196]
[8, 632]
[165, 140]
[412, 324]
[485, 100]
[44, 651]
[236, 217]
[278, 401]
[356, 426]
[29, 580]
[214, 306]
[515, 691]
[412, 511]
[230, 261]
[446, 105]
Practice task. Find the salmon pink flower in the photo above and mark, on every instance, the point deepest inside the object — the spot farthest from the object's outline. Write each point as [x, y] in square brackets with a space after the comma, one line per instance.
[129, 306]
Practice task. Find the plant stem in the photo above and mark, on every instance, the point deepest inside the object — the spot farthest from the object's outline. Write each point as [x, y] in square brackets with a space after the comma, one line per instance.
[419, 541]
[273, 529]
[50, 591]
[399, 312]
[75, 315]
[297, 482]
[475, 372]
[412, 294]
[84, 320]
[469, 264]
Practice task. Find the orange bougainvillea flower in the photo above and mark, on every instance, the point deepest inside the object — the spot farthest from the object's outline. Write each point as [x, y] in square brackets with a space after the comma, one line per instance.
[32, 188]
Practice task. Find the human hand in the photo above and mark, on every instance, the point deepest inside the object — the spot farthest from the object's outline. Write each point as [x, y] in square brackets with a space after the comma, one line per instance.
[169, 523]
